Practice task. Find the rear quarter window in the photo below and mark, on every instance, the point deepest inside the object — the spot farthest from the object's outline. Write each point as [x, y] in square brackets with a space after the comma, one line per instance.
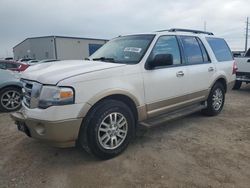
[220, 48]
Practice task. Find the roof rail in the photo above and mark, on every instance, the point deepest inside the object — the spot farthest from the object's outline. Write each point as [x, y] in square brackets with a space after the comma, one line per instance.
[187, 30]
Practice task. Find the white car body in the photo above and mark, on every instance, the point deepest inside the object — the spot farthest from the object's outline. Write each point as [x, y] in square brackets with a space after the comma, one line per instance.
[93, 81]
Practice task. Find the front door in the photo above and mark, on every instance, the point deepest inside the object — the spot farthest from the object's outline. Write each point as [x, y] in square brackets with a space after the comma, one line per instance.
[165, 87]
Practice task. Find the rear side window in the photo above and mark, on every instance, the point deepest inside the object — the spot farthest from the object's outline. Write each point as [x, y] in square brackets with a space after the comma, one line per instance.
[204, 52]
[192, 50]
[220, 48]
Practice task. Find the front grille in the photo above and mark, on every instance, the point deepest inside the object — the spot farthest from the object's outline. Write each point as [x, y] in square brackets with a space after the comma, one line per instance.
[31, 92]
[27, 92]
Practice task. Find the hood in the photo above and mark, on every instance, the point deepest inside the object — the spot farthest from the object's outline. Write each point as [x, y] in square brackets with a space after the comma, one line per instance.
[53, 72]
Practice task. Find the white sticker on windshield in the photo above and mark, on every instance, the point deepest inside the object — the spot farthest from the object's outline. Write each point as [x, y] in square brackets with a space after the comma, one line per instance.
[132, 49]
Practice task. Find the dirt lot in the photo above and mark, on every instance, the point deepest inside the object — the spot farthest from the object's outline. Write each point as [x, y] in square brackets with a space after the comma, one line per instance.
[195, 151]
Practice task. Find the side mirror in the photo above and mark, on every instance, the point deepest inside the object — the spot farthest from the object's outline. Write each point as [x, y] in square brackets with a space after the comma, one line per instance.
[161, 60]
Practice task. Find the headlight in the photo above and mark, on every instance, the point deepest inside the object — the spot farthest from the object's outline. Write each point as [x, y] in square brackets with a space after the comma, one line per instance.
[54, 96]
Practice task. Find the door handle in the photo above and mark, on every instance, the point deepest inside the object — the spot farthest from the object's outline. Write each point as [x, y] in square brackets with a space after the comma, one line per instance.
[180, 74]
[210, 69]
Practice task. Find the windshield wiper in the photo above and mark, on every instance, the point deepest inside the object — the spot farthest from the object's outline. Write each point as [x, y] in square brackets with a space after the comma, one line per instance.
[104, 59]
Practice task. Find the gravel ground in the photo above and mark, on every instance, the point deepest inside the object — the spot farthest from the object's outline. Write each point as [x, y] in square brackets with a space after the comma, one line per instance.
[195, 151]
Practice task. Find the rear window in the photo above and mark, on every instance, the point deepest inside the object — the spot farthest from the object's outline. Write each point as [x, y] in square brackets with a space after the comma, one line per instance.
[220, 48]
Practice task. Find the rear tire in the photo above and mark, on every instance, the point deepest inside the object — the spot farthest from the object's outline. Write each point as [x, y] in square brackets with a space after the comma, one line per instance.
[215, 101]
[109, 128]
[237, 85]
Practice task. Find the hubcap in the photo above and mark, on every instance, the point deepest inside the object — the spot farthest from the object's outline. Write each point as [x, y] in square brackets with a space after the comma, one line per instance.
[10, 100]
[217, 99]
[112, 130]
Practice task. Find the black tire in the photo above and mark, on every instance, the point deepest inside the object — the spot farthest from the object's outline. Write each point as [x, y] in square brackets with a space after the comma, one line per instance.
[3, 107]
[237, 85]
[89, 134]
[211, 109]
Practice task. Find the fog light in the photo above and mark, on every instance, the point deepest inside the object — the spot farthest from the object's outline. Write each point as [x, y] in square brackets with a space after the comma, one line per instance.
[40, 129]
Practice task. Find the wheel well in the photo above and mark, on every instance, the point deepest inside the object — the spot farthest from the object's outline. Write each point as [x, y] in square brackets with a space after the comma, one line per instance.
[126, 100]
[15, 86]
[223, 82]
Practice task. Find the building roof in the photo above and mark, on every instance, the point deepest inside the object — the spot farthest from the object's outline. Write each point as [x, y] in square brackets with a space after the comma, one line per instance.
[56, 36]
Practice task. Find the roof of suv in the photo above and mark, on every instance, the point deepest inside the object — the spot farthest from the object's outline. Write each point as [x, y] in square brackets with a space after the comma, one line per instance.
[178, 31]
[187, 31]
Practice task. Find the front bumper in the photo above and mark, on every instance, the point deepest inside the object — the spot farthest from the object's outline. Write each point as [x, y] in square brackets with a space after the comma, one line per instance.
[57, 133]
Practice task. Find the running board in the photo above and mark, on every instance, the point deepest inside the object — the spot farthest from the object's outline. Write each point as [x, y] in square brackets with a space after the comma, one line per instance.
[158, 120]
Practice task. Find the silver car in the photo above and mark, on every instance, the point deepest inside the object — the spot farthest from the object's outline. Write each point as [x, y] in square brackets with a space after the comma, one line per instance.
[10, 91]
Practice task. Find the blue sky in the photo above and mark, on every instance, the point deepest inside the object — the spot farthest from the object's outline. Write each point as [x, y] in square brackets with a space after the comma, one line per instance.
[107, 19]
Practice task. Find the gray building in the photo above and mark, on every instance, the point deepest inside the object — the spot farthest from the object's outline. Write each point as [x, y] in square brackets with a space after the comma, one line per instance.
[57, 47]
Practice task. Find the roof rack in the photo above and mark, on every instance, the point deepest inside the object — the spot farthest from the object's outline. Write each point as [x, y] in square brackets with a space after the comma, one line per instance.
[187, 30]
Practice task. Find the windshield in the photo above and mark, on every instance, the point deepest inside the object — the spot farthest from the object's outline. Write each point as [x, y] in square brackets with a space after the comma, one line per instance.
[127, 49]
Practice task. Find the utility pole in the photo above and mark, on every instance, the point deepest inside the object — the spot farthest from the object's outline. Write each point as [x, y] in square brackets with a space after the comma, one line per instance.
[246, 36]
[205, 26]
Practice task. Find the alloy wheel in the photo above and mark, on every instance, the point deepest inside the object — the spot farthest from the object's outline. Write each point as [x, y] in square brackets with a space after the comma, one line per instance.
[113, 130]
[11, 100]
[217, 99]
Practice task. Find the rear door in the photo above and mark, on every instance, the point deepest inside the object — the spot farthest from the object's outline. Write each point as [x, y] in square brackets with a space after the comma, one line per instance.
[199, 67]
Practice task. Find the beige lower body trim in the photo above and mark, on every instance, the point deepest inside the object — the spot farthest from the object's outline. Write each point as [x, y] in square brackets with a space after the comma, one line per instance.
[168, 105]
[142, 113]
[57, 133]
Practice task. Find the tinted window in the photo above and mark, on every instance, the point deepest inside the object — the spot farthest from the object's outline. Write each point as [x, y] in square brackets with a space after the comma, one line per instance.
[167, 45]
[192, 50]
[204, 52]
[220, 49]
[2, 65]
[11, 66]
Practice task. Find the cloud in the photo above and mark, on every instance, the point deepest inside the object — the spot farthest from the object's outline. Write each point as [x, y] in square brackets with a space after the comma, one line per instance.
[107, 19]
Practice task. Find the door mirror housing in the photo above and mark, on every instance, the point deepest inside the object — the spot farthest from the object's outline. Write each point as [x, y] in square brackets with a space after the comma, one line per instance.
[160, 60]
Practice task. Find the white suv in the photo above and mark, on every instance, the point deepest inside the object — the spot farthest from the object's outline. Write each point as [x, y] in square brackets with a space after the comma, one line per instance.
[137, 79]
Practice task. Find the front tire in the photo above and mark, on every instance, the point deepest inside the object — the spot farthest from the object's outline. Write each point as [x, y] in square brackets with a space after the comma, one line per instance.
[110, 128]
[215, 101]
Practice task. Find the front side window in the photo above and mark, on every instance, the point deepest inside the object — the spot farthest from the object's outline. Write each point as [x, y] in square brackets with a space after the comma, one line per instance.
[192, 50]
[127, 49]
[220, 48]
[167, 45]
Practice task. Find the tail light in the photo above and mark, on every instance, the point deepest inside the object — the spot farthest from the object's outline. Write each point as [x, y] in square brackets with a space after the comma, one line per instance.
[235, 68]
